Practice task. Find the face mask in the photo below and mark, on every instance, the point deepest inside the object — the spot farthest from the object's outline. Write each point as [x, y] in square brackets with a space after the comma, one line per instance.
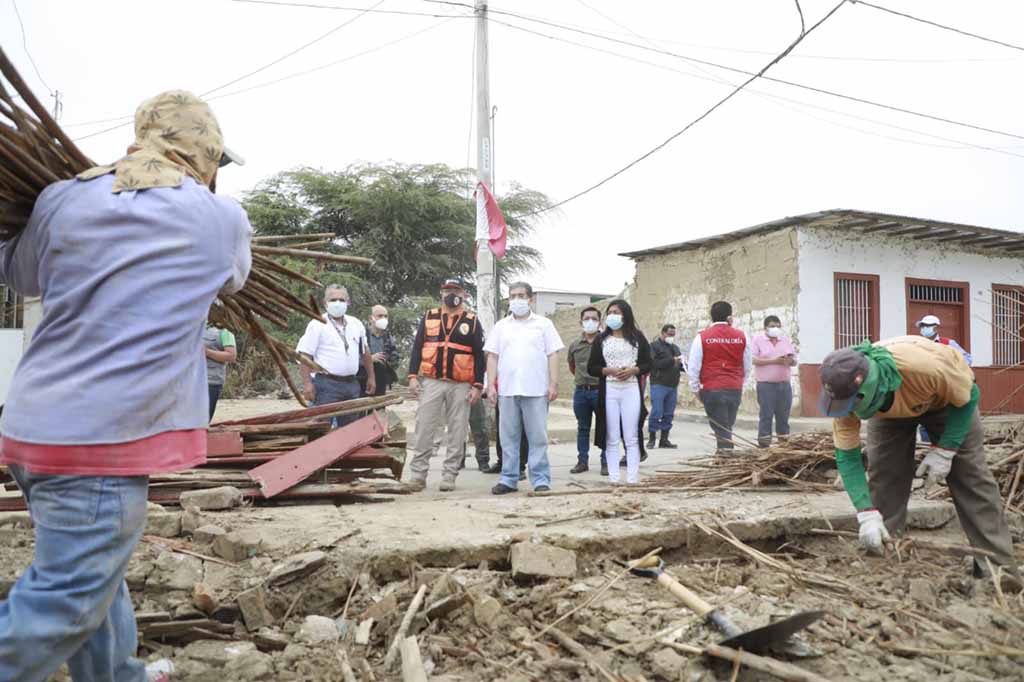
[452, 300]
[590, 326]
[927, 332]
[613, 321]
[774, 332]
[519, 307]
[381, 323]
[670, 339]
[337, 308]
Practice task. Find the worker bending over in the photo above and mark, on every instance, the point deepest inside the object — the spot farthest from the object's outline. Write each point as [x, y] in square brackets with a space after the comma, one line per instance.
[897, 384]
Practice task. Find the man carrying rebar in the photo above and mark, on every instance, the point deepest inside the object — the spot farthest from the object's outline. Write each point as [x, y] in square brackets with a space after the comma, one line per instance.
[897, 384]
[113, 386]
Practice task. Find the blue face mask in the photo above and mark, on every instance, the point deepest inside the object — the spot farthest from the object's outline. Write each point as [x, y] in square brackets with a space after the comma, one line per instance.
[927, 331]
[614, 321]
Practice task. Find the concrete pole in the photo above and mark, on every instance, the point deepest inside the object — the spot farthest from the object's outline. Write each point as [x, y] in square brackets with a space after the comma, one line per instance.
[486, 286]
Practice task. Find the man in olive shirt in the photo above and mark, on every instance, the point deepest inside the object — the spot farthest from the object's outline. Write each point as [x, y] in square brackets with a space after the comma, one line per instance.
[895, 385]
[584, 399]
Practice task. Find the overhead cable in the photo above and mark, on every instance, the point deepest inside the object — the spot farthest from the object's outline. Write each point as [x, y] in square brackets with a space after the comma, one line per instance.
[938, 25]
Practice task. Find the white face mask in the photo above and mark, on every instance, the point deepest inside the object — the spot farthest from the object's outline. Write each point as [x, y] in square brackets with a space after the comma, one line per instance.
[337, 308]
[670, 339]
[590, 326]
[774, 332]
[520, 307]
[381, 323]
[927, 331]
[614, 321]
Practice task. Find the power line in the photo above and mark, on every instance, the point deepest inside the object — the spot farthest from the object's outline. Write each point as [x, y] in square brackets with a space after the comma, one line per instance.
[716, 105]
[312, 5]
[294, 52]
[823, 91]
[960, 144]
[24, 43]
[938, 25]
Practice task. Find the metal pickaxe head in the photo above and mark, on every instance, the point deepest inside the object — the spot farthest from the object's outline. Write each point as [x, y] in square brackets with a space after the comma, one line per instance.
[648, 567]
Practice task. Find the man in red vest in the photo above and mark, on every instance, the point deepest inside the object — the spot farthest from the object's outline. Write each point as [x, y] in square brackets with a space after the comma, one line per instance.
[720, 360]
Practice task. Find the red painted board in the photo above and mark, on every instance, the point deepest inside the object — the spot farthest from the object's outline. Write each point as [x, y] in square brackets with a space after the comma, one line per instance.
[299, 464]
[220, 443]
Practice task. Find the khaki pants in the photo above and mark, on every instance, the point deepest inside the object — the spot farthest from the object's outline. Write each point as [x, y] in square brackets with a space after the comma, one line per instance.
[441, 402]
[891, 467]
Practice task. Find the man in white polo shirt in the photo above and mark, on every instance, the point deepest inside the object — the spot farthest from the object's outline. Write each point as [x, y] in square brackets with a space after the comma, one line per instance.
[338, 344]
[522, 370]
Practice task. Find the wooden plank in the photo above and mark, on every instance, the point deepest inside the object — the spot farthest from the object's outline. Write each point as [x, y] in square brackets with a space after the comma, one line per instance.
[312, 412]
[284, 472]
[223, 443]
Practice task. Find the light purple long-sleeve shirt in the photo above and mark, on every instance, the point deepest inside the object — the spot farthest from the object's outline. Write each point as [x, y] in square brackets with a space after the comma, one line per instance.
[126, 280]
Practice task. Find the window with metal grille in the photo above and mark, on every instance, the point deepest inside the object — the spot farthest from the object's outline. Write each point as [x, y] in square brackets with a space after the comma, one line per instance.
[856, 308]
[930, 293]
[11, 308]
[1007, 325]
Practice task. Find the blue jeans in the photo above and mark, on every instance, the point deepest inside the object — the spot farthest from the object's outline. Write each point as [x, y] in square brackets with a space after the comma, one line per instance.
[584, 406]
[774, 400]
[529, 413]
[330, 390]
[72, 603]
[663, 408]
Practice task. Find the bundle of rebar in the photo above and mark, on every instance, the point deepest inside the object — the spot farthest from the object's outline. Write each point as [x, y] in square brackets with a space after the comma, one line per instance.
[805, 461]
[35, 152]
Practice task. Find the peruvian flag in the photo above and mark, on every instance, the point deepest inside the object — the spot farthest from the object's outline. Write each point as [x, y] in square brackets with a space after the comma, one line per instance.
[490, 223]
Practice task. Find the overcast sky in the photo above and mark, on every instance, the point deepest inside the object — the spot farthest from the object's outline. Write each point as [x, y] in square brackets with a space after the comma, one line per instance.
[400, 89]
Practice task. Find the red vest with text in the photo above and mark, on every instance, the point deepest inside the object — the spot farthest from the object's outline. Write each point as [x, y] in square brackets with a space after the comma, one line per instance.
[722, 366]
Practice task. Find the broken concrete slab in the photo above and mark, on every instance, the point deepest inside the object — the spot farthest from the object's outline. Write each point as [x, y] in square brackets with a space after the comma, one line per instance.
[667, 665]
[238, 545]
[16, 519]
[172, 571]
[295, 567]
[207, 534]
[318, 630]
[253, 605]
[486, 610]
[215, 652]
[162, 522]
[250, 665]
[191, 519]
[223, 497]
[532, 561]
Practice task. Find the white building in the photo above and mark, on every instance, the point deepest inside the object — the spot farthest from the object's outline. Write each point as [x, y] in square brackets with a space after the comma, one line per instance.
[550, 300]
[837, 277]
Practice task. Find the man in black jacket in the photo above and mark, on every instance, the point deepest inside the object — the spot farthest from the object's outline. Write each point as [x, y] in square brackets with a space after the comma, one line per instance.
[666, 366]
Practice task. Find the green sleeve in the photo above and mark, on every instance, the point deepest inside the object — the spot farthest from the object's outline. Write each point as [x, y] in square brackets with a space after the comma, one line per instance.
[851, 469]
[227, 339]
[959, 421]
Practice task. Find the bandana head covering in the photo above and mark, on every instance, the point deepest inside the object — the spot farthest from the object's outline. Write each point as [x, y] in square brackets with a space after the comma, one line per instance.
[176, 134]
[883, 378]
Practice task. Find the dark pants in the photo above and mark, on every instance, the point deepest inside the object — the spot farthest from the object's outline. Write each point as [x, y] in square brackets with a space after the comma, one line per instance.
[663, 408]
[891, 444]
[774, 400]
[330, 390]
[721, 407]
[478, 427]
[214, 397]
[584, 406]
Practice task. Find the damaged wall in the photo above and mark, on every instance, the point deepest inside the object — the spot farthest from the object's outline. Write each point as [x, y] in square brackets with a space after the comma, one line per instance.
[757, 274]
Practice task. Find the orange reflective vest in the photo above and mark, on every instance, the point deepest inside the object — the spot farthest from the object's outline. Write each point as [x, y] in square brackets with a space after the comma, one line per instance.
[449, 354]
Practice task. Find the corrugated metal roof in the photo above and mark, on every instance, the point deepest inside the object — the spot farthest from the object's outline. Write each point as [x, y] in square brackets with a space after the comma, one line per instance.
[865, 222]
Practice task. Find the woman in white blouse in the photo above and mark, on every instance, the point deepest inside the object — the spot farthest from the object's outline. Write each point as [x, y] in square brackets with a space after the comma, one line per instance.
[621, 357]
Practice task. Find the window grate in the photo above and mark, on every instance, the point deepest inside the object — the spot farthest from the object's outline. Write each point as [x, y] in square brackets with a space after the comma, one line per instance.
[1007, 326]
[930, 293]
[11, 308]
[854, 311]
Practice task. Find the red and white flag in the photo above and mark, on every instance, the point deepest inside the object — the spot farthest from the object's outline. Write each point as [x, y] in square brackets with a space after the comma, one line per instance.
[490, 223]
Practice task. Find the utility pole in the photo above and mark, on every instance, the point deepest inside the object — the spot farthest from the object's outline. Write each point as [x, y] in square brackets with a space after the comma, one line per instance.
[486, 285]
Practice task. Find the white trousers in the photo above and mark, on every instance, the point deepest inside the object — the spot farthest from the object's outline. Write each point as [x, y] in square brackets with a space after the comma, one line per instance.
[622, 418]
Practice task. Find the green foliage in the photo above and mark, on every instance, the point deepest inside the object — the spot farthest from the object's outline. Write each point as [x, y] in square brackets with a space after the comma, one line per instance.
[416, 221]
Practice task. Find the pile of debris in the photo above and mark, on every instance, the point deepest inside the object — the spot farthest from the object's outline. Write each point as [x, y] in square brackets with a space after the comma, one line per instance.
[805, 461]
[288, 456]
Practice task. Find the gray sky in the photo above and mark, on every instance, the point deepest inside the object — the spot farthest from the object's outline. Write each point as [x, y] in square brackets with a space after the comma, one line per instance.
[569, 116]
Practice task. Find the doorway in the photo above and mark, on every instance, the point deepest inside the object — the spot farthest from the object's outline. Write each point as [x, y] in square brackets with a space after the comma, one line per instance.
[949, 301]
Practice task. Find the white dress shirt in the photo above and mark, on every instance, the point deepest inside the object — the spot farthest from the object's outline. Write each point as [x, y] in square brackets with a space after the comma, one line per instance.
[323, 342]
[523, 347]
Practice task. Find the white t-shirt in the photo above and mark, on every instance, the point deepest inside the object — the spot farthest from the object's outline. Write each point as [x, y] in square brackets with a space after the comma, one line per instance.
[323, 341]
[523, 347]
[619, 353]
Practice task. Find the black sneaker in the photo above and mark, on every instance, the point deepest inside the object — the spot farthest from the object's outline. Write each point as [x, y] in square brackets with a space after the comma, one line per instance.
[666, 443]
[542, 489]
[502, 489]
[493, 469]
[650, 442]
[483, 465]
[643, 456]
[604, 468]
[579, 468]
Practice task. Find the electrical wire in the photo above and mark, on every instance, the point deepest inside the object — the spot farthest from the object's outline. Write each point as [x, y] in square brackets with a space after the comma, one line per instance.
[691, 124]
[24, 43]
[959, 144]
[938, 25]
[355, 9]
[804, 86]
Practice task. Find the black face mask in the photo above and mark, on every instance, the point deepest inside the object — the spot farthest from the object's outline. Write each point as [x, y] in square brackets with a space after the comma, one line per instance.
[452, 300]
